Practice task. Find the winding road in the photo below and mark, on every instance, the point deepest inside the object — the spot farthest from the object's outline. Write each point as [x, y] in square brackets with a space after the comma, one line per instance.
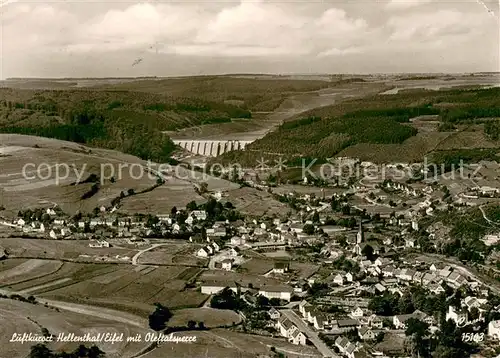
[486, 218]
[136, 256]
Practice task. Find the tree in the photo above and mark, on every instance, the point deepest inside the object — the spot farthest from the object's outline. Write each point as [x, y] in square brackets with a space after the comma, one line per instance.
[173, 211]
[315, 218]
[227, 300]
[262, 301]
[191, 324]
[40, 351]
[417, 330]
[368, 252]
[346, 209]
[192, 205]
[95, 352]
[201, 325]
[275, 302]
[308, 229]
[203, 187]
[131, 192]
[159, 318]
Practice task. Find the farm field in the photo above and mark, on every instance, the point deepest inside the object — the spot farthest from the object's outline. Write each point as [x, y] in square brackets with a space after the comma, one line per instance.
[29, 270]
[24, 317]
[162, 199]
[69, 272]
[61, 249]
[211, 317]
[256, 203]
[258, 266]
[130, 289]
[221, 343]
[182, 255]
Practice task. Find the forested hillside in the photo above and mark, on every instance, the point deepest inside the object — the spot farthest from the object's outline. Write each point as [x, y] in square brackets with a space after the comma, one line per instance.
[382, 127]
[127, 121]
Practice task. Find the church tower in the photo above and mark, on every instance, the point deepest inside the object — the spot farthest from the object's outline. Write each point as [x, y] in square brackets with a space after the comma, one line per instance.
[360, 237]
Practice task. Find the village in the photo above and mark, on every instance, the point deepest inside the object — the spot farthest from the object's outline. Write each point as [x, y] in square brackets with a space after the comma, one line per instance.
[346, 273]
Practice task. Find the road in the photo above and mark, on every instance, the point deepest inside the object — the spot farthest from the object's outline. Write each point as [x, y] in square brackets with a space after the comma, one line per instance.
[486, 218]
[311, 335]
[136, 256]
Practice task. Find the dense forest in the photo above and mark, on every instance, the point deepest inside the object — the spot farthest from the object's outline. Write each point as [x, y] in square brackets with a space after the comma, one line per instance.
[384, 120]
[128, 122]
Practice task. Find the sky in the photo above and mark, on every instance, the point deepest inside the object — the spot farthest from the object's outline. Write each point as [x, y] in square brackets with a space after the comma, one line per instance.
[88, 38]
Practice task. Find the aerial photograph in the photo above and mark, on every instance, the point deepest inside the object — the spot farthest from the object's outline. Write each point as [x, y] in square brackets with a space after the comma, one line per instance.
[249, 179]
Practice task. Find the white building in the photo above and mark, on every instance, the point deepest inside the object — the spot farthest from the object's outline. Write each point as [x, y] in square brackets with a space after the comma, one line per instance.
[227, 264]
[494, 329]
[282, 293]
[202, 252]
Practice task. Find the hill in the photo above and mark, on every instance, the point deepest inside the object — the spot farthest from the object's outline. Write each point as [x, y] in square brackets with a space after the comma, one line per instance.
[385, 128]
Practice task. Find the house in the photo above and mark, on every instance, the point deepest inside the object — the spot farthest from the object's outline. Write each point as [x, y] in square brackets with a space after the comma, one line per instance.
[349, 277]
[417, 278]
[445, 272]
[281, 292]
[21, 222]
[286, 327]
[319, 320]
[357, 313]
[456, 280]
[297, 337]
[203, 252]
[99, 244]
[51, 212]
[382, 261]
[399, 321]
[375, 321]
[237, 241]
[406, 274]
[436, 288]
[429, 278]
[213, 287]
[216, 231]
[189, 220]
[302, 307]
[216, 246]
[199, 214]
[345, 325]
[345, 346]
[380, 288]
[234, 251]
[227, 264]
[474, 302]
[494, 329]
[281, 267]
[274, 313]
[388, 271]
[410, 242]
[433, 268]
[339, 280]
[366, 334]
